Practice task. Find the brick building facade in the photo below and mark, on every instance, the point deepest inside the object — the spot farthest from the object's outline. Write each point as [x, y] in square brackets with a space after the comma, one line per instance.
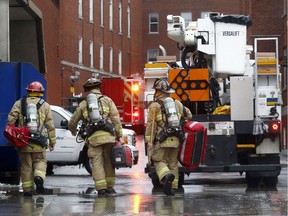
[86, 37]
[110, 35]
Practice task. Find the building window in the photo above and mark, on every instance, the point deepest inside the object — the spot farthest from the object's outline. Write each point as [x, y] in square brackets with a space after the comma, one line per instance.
[204, 14]
[91, 53]
[80, 53]
[101, 12]
[101, 63]
[128, 21]
[91, 10]
[80, 9]
[120, 16]
[153, 23]
[111, 60]
[111, 14]
[187, 17]
[152, 55]
[120, 62]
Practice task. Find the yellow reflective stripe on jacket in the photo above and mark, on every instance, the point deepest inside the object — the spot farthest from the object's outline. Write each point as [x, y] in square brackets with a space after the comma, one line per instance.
[42, 116]
[105, 109]
[86, 114]
[53, 139]
[99, 133]
[159, 117]
[147, 138]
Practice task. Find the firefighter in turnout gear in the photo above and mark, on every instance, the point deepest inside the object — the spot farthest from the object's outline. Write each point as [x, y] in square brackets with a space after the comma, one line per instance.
[35, 114]
[164, 137]
[104, 128]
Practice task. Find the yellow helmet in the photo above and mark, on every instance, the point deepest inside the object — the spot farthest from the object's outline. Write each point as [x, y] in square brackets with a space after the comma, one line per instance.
[163, 85]
[92, 83]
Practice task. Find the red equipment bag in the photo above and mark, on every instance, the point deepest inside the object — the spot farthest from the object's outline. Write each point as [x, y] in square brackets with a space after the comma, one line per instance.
[122, 156]
[19, 136]
[192, 151]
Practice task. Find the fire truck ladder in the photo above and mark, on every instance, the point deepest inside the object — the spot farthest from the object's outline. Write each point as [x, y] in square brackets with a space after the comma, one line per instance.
[268, 96]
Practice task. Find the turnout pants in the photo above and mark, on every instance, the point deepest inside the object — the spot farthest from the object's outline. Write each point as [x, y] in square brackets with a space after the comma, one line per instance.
[103, 171]
[166, 162]
[32, 164]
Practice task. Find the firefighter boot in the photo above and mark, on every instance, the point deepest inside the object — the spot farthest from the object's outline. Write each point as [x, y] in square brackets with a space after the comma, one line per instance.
[28, 194]
[168, 179]
[102, 192]
[110, 190]
[172, 192]
[39, 184]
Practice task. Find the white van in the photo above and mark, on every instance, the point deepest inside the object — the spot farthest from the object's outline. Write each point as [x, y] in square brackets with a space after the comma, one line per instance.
[68, 151]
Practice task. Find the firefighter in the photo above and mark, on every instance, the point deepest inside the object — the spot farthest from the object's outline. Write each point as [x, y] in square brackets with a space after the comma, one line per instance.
[104, 128]
[35, 114]
[165, 145]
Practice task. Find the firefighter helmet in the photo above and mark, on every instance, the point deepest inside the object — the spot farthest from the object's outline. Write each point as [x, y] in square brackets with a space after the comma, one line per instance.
[163, 85]
[92, 83]
[35, 87]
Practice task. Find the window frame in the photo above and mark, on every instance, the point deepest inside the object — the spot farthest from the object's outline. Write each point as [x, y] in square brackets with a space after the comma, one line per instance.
[80, 51]
[111, 59]
[149, 52]
[80, 9]
[91, 53]
[154, 23]
[111, 15]
[101, 57]
[91, 14]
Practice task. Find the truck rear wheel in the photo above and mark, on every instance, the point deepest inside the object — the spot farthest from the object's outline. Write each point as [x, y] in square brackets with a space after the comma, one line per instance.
[252, 181]
[270, 181]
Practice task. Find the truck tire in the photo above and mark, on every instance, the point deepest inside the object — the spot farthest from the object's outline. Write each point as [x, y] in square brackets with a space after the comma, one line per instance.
[270, 181]
[181, 180]
[87, 161]
[252, 181]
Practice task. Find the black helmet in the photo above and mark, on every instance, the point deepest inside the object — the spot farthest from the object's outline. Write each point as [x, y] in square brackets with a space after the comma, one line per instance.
[163, 85]
[92, 83]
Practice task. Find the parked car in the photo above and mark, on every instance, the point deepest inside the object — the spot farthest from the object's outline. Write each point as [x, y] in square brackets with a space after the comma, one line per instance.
[69, 151]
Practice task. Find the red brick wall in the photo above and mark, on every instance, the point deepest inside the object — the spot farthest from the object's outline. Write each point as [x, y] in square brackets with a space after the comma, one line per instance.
[50, 14]
[72, 28]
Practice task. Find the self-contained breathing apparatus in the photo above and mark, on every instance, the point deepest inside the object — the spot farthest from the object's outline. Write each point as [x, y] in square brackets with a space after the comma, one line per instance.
[97, 122]
[30, 117]
[172, 123]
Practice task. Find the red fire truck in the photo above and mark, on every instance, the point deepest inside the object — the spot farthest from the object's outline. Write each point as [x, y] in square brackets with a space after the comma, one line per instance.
[127, 95]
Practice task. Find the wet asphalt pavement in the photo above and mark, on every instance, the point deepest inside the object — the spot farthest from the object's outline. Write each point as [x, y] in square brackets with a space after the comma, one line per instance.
[70, 191]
